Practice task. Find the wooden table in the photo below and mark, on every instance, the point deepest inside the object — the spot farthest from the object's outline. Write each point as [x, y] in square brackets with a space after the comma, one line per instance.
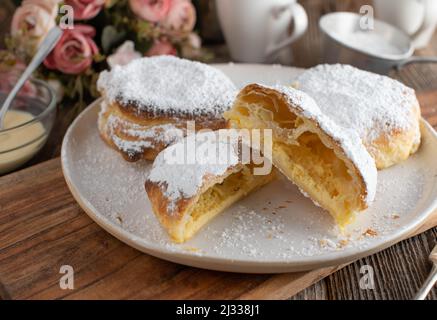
[42, 227]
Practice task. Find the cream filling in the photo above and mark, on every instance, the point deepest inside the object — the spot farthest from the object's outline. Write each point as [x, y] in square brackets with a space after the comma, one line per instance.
[219, 197]
[302, 155]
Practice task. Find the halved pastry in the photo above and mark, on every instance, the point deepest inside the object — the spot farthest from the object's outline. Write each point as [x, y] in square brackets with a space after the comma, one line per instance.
[197, 178]
[328, 163]
[148, 103]
[384, 112]
[145, 139]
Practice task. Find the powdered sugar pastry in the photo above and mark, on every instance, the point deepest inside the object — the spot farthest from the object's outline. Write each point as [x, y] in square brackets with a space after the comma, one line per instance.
[170, 86]
[371, 104]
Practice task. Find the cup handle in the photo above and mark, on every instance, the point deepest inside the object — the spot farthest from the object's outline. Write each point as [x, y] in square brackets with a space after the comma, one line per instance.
[427, 22]
[300, 20]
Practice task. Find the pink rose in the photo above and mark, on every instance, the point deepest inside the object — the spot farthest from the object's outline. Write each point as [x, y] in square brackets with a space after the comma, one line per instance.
[162, 47]
[10, 70]
[181, 17]
[123, 55]
[75, 50]
[51, 6]
[8, 81]
[31, 22]
[85, 9]
[150, 10]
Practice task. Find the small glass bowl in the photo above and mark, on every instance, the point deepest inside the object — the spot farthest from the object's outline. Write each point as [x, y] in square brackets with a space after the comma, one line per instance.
[20, 143]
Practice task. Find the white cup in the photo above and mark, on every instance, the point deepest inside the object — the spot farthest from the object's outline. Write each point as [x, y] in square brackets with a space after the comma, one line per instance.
[256, 30]
[417, 18]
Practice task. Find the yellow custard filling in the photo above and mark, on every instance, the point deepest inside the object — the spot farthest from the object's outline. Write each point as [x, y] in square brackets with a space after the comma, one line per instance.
[221, 196]
[303, 155]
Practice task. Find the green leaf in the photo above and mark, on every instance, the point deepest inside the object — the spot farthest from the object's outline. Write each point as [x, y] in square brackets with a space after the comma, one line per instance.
[110, 3]
[99, 57]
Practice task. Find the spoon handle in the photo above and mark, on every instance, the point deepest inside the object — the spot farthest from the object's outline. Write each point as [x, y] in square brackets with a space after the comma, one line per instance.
[416, 59]
[43, 51]
[427, 286]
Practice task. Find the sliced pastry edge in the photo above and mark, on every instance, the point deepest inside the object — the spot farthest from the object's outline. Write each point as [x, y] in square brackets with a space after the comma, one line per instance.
[328, 163]
[184, 215]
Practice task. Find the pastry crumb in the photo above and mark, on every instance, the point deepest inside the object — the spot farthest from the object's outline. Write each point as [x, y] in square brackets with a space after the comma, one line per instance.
[343, 243]
[370, 232]
[191, 249]
[327, 243]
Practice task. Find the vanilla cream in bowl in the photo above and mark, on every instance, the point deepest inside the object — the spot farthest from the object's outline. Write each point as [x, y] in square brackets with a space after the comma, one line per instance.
[27, 125]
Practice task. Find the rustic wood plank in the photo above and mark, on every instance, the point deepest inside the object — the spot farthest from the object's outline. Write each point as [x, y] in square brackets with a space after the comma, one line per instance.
[54, 231]
[399, 272]
[285, 285]
[422, 77]
[47, 227]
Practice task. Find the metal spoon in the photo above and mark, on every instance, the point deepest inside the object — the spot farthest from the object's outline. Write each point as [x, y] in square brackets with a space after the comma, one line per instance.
[416, 59]
[432, 278]
[44, 49]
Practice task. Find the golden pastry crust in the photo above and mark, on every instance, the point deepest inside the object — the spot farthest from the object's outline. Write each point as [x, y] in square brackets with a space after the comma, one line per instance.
[137, 139]
[148, 102]
[384, 112]
[327, 162]
[146, 116]
[391, 148]
[185, 197]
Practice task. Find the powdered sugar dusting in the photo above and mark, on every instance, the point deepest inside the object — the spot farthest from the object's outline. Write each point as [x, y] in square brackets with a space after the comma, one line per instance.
[139, 137]
[369, 103]
[373, 43]
[182, 177]
[273, 225]
[348, 140]
[166, 85]
[147, 137]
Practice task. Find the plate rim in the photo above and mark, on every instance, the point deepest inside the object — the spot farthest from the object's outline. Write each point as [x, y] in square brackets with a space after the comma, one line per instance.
[330, 259]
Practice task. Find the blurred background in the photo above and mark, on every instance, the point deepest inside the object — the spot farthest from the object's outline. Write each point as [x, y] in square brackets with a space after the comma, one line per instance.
[193, 29]
[304, 52]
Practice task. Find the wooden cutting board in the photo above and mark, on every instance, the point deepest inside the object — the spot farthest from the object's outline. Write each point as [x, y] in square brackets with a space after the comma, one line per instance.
[43, 228]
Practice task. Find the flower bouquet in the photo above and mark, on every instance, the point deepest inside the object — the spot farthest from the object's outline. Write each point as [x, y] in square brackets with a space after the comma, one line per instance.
[97, 34]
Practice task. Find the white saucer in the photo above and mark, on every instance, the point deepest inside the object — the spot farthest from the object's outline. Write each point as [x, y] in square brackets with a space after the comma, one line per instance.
[273, 230]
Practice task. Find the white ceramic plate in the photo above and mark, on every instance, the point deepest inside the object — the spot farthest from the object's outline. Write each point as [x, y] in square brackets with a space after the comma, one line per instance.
[273, 230]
